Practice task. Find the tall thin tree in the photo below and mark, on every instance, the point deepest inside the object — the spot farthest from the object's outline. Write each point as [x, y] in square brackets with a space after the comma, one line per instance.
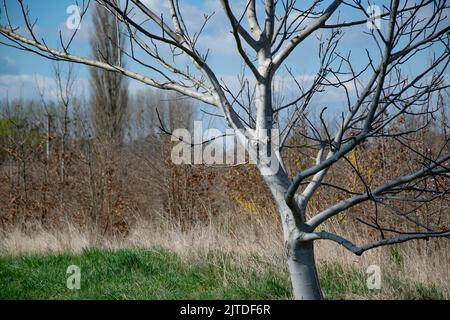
[109, 92]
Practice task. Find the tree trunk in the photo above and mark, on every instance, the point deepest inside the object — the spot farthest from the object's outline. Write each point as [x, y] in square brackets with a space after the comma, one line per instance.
[300, 254]
[301, 261]
[303, 273]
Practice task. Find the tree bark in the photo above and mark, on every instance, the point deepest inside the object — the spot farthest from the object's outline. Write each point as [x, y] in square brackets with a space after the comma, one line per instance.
[302, 269]
[300, 253]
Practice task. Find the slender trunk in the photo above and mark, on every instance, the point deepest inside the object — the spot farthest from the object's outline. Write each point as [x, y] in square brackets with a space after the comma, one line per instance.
[302, 269]
[300, 254]
[301, 261]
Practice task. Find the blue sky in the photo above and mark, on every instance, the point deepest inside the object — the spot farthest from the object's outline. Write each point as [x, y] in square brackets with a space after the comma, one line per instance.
[51, 17]
[21, 72]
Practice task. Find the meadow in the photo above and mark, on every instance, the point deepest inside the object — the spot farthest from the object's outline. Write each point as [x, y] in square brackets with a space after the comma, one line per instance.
[137, 274]
[204, 262]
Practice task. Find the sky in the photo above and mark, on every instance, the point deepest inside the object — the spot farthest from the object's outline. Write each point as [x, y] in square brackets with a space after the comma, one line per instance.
[22, 73]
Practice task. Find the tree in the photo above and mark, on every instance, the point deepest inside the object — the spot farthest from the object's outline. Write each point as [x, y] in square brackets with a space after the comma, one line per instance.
[109, 95]
[377, 92]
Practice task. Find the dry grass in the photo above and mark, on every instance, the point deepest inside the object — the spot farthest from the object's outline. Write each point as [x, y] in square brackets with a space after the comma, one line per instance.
[421, 262]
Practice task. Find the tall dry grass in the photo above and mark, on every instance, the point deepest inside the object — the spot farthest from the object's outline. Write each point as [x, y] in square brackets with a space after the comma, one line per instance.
[421, 262]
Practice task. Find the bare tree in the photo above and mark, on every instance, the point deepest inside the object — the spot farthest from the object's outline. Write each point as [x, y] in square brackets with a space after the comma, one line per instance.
[109, 94]
[65, 82]
[377, 92]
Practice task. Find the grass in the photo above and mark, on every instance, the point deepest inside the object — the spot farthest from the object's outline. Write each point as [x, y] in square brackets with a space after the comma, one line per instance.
[163, 274]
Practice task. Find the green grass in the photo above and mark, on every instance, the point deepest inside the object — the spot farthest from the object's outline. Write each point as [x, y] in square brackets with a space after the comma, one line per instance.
[161, 274]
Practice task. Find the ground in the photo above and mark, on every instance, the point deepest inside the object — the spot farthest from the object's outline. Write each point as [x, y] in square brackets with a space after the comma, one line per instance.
[163, 274]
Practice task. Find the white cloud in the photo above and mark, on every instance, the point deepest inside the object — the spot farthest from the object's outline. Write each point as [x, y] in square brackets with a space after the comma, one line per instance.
[8, 65]
[22, 85]
[218, 40]
[29, 86]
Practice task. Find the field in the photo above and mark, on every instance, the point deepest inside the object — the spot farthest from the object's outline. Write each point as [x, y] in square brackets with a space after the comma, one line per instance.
[163, 274]
[212, 156]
